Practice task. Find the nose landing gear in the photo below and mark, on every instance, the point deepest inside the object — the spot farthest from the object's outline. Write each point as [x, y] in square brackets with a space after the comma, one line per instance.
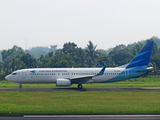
[20, 86]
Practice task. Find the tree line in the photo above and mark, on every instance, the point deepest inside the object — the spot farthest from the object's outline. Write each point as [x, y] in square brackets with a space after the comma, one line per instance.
[73, 56]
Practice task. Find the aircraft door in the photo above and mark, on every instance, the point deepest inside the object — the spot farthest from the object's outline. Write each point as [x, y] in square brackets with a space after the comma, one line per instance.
[68, 75]
[24, 74]
[127, 73]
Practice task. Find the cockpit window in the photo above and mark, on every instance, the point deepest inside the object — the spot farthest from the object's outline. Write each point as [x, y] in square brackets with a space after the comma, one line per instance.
[14, 73]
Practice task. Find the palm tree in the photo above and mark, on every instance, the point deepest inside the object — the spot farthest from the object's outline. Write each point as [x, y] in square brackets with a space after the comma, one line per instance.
[92, 54]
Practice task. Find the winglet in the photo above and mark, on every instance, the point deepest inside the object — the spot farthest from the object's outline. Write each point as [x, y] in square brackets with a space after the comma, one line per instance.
[99, 66]
[102, 71]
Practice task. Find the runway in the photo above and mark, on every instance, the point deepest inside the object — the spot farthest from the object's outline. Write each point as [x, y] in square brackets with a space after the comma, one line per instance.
[129, 89]
[82, 117]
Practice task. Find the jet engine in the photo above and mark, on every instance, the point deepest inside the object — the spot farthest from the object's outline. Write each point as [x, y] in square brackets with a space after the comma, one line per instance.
[63, 82]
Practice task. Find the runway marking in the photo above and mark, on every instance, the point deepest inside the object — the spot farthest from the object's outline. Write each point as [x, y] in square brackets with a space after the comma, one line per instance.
[58, 116]
[120, 118]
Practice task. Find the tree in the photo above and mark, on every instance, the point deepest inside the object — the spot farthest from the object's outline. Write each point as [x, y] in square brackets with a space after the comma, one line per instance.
[29, 61]
[137, 48]
[7, 55]
[36, 52]
[61, 60]
[44, 61]
[79, 58]
[16, 64]
[121, 46]
[2, 73]
[121, 56]
[91, 50]
[155, 60]
[69, 48]
[92, 54]
[106, 60]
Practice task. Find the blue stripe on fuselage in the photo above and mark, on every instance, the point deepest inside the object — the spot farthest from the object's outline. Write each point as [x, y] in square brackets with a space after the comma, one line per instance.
[132, 73]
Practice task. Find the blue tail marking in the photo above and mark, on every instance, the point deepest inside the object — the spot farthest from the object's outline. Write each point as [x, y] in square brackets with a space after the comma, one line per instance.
[99, 66]
[142, 58]
[102, 71]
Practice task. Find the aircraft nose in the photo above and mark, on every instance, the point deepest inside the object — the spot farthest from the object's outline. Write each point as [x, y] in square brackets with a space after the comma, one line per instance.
[8, 77]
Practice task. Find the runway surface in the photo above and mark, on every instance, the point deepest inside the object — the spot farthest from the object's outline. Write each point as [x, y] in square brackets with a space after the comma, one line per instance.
[142, 89]
[81, 117]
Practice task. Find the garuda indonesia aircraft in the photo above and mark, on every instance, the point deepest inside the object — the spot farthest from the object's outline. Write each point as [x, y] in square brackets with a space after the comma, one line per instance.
[68, 76]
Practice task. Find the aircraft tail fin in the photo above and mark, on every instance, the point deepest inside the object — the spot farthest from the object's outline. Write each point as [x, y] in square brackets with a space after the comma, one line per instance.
[142, 58]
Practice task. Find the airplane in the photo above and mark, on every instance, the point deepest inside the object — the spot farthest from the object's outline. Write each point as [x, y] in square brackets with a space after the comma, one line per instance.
[68, 76]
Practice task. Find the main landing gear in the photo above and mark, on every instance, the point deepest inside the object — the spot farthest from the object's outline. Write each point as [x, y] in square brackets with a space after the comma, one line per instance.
[80, 86]
[20, 86]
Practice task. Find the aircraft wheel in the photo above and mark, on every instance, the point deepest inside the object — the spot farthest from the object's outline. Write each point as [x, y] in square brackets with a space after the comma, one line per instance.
[20, 86]
[80, 86]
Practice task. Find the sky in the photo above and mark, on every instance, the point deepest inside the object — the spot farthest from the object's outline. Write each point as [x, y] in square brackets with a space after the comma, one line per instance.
[106, 23]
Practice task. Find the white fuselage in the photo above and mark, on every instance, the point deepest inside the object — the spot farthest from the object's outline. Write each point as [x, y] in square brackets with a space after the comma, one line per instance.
[50, 75]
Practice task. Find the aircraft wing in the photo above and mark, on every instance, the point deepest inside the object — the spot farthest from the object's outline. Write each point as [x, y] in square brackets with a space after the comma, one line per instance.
[144, 70]
[85, 79]
[81, 79]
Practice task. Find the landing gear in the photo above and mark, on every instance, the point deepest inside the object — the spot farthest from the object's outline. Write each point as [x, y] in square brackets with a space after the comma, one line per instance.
[80, 86]
[20, 86]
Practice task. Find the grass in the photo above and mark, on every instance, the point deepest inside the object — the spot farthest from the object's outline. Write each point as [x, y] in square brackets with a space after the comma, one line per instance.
[86, 102]
[151, 81]
[79, 102]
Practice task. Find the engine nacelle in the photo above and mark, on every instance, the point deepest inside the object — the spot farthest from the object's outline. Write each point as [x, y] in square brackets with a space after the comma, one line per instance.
[63, 82]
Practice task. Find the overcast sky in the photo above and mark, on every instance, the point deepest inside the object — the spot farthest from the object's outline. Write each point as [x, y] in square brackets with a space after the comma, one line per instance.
[106, 23]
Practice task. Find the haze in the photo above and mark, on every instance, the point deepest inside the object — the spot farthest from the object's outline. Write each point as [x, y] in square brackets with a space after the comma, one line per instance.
[106, 23]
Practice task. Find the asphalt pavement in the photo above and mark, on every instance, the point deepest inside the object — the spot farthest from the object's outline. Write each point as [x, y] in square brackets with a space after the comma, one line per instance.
[84, 89]
[81, 117]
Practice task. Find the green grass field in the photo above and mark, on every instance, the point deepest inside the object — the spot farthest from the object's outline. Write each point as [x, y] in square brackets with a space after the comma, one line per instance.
[83, 102]
[79, 102]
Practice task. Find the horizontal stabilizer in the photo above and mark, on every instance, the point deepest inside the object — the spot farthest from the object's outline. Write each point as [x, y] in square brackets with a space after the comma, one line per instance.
[144, 70]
